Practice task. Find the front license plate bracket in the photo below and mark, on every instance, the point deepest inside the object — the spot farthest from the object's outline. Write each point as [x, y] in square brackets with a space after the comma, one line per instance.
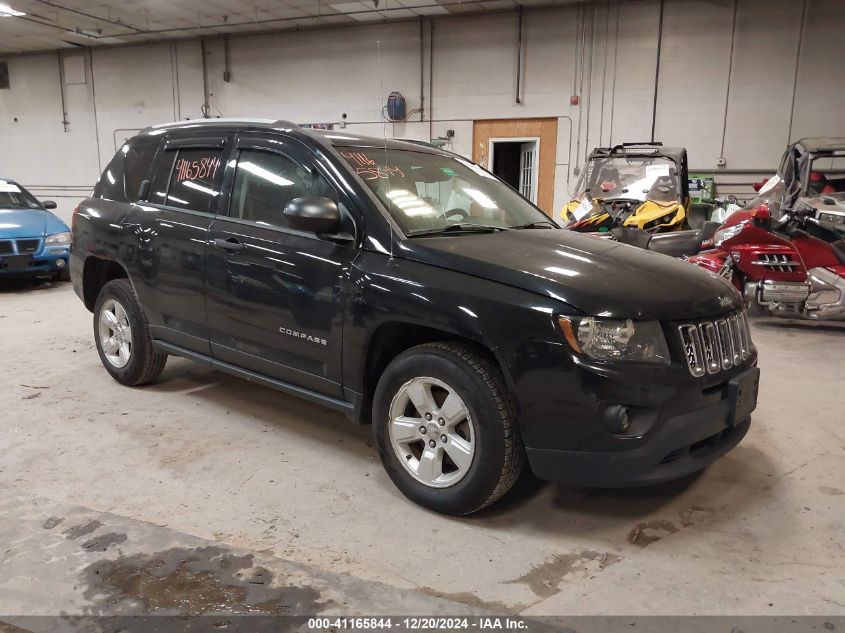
[743, 390]
[15, 263]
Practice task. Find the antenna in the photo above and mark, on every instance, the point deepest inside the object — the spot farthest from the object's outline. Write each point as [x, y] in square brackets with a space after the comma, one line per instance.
[384, 138]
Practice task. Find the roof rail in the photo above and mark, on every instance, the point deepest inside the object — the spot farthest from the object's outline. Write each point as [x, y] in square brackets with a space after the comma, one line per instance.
[269, 122]
[643, 144]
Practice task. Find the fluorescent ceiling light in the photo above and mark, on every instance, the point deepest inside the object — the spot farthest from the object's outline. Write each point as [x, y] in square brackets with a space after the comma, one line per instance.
[366, 12]
[423, 7]
[8, 12]
[438, 10]
[358, 11]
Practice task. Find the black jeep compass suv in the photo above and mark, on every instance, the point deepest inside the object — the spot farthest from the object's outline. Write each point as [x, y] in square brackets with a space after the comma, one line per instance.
[408, 287]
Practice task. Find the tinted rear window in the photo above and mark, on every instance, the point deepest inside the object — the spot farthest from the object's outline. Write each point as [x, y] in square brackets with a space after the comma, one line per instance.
[139, 160]
[122, 177]
[111, 185]
[189, 179]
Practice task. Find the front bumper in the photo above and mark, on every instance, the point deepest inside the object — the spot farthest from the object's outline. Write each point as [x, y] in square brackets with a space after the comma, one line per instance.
[686, 444]
[47, 260]
[676, 424]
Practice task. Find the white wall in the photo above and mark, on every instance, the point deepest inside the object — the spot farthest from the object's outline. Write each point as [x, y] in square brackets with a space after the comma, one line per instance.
[315, 76]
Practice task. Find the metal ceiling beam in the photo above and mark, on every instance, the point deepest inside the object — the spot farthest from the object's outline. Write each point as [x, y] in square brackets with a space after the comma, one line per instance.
[90, 16]
[192, 33]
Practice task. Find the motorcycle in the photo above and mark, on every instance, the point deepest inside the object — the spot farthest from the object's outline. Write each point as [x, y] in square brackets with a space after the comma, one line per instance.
[791, 267]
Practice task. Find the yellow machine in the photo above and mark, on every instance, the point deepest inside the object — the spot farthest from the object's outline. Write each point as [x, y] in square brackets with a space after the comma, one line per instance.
[635, 185]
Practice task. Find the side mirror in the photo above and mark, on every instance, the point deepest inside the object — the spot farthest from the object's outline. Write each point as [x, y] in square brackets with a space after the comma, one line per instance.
[313, 214]
[762, 212]
[49, 204]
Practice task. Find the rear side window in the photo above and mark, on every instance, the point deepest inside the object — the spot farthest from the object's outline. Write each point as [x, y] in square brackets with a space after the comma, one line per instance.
[188, 179]
[111, 185]
[123, 175]
[139, 160]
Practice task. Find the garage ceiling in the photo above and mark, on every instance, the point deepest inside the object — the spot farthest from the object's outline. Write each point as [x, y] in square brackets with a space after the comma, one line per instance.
[37, 25]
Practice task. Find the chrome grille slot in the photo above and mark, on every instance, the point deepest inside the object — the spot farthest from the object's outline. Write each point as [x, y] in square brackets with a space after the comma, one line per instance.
[6, 247]
[742, 322]
[692, 349]
[710, 339]
[726, 352]
[711, 346]
[737, 343]
[778, 262]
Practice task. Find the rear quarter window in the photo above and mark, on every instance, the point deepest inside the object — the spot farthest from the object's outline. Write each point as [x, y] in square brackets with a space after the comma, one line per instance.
[111, 185]
[139, 161]
[122, 177]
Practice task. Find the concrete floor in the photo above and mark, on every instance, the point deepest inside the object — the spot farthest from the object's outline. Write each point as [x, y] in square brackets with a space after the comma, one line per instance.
[201, 460]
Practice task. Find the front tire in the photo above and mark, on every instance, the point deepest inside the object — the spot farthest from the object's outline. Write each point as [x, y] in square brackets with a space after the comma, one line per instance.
[445, 428]
[122, 336]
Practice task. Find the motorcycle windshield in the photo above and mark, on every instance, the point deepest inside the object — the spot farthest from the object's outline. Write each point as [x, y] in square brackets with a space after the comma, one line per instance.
[638, 178]
[771, 194]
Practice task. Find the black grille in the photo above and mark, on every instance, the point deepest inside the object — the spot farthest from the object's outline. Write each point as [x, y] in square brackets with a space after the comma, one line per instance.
[6, 247]
[28, 246]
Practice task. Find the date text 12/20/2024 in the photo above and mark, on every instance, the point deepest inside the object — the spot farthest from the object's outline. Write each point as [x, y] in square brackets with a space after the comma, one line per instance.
[417, 623]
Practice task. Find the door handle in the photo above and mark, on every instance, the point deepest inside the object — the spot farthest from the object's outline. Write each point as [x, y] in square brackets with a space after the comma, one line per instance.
[232, 245]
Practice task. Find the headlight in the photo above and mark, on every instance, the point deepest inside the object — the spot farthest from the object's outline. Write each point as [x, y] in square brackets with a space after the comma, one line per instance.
[726, 234]
[616, 339]
[58, 239]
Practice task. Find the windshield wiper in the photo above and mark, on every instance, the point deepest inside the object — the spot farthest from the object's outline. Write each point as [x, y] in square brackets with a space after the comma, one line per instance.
[457, 228]
[537, 224]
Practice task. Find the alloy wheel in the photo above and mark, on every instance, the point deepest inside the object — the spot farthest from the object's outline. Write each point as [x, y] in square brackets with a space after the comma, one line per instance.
[431, 432]
[115, 333]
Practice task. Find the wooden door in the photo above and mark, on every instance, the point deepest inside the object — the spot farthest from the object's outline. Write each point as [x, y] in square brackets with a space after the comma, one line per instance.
[543, 129]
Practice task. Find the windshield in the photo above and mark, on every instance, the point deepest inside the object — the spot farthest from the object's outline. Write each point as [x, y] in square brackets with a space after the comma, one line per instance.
[772, 194]
[427, 192]
[631, 178]
[13, 196]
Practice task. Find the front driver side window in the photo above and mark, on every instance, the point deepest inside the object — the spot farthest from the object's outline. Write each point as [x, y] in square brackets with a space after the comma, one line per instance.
[265, 182]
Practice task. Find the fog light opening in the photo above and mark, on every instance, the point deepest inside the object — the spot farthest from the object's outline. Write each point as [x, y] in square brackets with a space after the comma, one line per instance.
[616, 419]
[60, 263]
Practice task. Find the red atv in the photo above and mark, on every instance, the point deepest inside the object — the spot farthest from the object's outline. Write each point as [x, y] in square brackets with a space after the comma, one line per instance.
[792, 267]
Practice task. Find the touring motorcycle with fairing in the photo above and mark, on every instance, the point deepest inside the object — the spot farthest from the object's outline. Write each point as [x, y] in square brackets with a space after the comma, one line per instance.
[790, 266]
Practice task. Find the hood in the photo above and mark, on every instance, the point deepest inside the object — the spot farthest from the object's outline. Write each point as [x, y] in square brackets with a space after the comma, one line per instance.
[20, 223]
[596, 276]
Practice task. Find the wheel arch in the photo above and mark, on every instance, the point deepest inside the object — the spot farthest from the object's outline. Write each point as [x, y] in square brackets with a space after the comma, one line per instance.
[96, 273]
[391, 338]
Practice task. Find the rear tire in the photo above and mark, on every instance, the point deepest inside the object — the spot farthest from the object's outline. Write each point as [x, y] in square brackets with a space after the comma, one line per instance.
[122, 336]
[470, 407]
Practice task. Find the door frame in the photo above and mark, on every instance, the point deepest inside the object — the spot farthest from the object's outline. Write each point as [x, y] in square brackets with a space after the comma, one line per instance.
[518, 139]
[528, 129]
